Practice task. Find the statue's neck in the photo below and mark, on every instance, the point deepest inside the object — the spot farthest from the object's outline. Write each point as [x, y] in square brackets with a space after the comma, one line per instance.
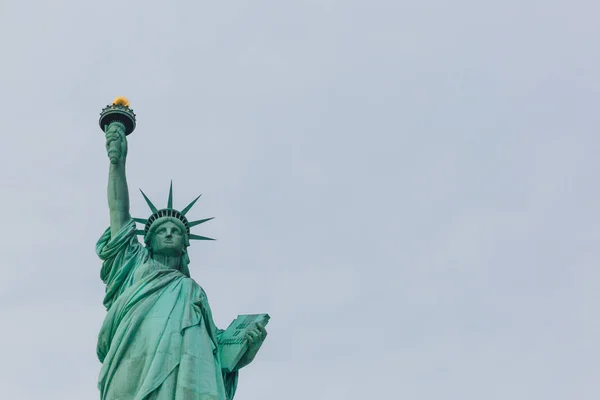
[173, 262]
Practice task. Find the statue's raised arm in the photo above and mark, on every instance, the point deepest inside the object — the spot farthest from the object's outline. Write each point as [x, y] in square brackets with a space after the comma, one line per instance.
[118, 192]
[117, 122]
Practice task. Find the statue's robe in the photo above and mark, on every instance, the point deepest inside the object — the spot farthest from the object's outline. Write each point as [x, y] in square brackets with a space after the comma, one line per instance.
[158, 340]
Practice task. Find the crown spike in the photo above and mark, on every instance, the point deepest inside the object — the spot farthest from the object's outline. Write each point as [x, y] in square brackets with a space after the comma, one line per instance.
[185, 210]
[170, 201]
[152, 206]
[198, 237]
[143, 221]
[140, 232]
[201, 221]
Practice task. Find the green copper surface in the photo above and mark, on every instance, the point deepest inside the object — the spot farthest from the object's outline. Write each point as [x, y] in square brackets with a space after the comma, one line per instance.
[158, 340]
[200, 221]
[170, 201]
[189, 206]
[152, 206]
[118, 112]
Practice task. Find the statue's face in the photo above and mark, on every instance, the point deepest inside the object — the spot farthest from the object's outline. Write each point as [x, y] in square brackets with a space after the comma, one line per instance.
[168, 239]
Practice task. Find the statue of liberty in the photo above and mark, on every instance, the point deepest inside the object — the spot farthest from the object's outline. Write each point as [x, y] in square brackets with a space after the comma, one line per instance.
[158, 340]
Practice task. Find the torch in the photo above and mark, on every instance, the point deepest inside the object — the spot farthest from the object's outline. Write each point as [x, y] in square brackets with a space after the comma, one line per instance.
[117, 112]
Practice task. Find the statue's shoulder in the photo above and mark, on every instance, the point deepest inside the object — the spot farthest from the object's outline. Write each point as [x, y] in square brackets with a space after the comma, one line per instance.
[199, 292]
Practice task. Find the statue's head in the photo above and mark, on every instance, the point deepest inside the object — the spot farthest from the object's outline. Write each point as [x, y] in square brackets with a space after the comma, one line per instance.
[167, 236]
[167, 231]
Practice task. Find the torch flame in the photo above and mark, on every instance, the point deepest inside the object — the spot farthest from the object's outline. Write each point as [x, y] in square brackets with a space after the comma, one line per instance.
[121, 101]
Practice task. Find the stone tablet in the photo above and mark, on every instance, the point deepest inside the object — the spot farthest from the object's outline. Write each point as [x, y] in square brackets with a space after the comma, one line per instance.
[233, 341]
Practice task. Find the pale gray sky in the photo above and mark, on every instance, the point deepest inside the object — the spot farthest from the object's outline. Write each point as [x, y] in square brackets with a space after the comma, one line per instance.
[408, 188]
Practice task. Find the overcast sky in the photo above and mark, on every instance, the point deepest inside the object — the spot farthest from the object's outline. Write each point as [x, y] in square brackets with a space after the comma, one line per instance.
[409, 189]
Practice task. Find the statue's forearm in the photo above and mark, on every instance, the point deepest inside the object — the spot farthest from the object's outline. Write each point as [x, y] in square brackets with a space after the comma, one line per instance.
[118, 197]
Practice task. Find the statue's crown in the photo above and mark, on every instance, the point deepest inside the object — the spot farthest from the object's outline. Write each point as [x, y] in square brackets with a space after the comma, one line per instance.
[118, 111]
[172, 213]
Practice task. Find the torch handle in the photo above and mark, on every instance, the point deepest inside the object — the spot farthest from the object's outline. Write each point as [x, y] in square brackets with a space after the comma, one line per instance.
[113, 150]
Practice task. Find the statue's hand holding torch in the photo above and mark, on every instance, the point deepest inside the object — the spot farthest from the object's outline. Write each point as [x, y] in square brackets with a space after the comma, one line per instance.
[117, 121]
[116, 143]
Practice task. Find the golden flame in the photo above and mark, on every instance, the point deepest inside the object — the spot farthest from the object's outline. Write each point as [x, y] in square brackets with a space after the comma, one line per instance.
[121, 101]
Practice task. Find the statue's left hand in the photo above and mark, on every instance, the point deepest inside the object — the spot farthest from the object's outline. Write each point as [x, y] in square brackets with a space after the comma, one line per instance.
[255, 338]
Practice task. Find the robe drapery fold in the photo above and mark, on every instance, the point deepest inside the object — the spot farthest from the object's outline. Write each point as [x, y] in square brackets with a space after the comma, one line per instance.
[158, 340]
